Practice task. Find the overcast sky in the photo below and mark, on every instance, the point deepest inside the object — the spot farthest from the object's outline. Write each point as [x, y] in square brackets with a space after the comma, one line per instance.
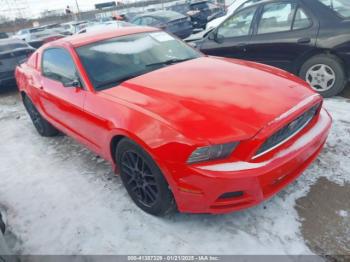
[8, 7]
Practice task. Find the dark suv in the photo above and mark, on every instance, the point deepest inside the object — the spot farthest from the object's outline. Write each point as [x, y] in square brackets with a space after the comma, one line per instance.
[310, 38]
[200, 12]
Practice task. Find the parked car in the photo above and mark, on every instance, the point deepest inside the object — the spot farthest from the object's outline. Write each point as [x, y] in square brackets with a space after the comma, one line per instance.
[203, 134]
[233, 7]
[200, 12]
[75, 26]
[38, 40]
[170, 21]
[57, 28]
[95, 27]
[25, 34]
[309, 38]
[3, 35]
[12, 52]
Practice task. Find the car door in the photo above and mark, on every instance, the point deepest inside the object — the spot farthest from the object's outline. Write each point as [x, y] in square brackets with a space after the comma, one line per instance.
[61, 93]
[285, 32]
[232, 38]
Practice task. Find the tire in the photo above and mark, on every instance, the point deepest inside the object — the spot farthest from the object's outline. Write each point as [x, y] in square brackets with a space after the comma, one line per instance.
[325, 74]
[143, 179]
[2, 225]
[43, 127]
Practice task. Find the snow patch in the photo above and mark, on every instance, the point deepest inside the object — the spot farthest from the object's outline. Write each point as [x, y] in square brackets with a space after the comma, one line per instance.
[126, 47]
[343, 213]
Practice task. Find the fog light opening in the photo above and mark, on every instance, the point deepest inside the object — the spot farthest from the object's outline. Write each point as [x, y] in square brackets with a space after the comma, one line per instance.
[229, 195]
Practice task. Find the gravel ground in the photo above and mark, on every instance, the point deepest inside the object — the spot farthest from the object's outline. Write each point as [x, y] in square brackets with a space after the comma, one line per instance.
[60, 198]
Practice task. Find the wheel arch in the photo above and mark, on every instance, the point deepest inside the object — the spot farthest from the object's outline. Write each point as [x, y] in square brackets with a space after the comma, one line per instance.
[23, 94]
[300, 61]
[118, 135]
[114, 144]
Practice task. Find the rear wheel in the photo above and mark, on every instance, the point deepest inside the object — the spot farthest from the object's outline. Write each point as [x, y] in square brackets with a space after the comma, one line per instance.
[43, 127]
[325, 74]
[143, 179]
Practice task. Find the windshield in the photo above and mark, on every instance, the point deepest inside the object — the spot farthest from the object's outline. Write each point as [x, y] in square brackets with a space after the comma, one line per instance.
[35, 30]
[110, 62]
[342, 7]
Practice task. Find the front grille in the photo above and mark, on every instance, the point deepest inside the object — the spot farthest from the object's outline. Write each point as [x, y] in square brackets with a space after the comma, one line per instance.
[288, 131]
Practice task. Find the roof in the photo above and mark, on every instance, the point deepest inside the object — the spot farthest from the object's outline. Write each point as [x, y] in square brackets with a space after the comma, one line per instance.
[92, 37]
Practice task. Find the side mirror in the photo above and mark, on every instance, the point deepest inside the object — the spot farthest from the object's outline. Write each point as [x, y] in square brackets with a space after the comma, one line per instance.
[74, 83]
[215, 36]
[212, 35]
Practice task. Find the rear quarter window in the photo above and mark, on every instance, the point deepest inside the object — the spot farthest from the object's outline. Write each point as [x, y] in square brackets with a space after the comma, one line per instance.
[32, 61]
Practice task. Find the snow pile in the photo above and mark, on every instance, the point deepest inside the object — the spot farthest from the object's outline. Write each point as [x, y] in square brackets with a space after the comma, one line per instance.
[62, 199]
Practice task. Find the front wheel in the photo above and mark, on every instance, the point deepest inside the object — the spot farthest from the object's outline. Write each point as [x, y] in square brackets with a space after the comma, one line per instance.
[325, 74]
[143, 179]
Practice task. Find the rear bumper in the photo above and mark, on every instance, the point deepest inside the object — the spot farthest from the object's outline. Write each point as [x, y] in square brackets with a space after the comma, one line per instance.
[200, 188]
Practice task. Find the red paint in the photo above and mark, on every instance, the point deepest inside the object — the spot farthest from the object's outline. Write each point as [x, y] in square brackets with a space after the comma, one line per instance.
[172, 111]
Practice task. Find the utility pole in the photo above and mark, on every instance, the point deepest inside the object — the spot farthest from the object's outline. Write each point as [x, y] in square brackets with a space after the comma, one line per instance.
[78, 10]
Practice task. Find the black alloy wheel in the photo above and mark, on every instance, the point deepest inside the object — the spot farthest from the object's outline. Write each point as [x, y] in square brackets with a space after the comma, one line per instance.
[43, 127]
[143, 179]
[139, 178]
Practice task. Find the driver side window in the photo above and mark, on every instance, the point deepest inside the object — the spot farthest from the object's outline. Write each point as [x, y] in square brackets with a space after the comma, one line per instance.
[238, 24]
[58, 65]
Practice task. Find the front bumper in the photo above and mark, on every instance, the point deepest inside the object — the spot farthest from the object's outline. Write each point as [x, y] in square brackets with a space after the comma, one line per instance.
[201, 190]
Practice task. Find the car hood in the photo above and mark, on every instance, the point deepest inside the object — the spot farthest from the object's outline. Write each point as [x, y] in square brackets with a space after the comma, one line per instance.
[214, 99]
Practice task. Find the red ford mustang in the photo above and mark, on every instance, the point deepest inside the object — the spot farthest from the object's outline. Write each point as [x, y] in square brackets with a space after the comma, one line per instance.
[203, 134]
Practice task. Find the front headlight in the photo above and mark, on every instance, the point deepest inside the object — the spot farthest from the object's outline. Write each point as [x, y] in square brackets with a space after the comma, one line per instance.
[212, 152]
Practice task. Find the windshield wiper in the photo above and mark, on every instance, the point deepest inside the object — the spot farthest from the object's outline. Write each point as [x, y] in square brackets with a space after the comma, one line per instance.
[169, 62]
[118, 81]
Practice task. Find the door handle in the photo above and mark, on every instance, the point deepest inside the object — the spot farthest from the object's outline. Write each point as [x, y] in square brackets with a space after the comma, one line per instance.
[242, 46]
[304, 40]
